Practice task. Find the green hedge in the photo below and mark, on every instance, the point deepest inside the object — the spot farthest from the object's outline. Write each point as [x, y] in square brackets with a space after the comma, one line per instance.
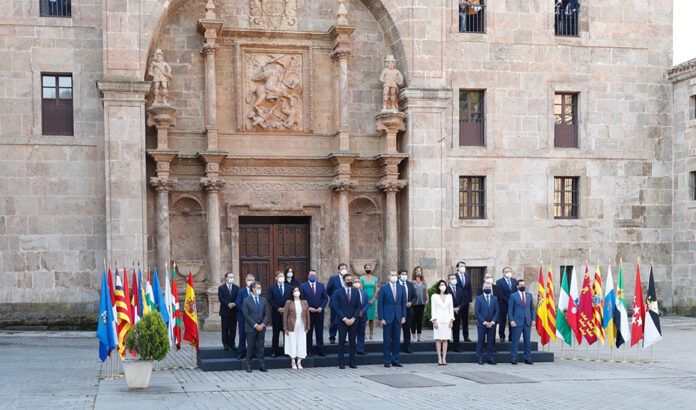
[426, 314]
[148, 338]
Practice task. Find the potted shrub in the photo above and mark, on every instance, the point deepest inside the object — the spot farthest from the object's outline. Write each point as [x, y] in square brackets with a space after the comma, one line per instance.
[148, 338]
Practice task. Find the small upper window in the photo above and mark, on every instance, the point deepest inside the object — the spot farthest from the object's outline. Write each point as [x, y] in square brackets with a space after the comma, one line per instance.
[55, 8]
[566, 197]
[471, 16]
[57, 104]
[566, 17]
[472, 197]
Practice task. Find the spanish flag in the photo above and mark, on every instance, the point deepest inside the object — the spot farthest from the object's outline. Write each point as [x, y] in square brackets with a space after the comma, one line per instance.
[542, 313]
[190, 314]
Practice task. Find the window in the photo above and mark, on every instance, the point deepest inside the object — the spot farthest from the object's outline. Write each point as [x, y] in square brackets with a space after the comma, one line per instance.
[568, 271]
[477, 273]
[471, 16]
[692, 185]
[472, 197]
[57, 104]
[565, 112]
[55, 8]
[693, 107]
[471, 118]
[565, 194]
[567, 14]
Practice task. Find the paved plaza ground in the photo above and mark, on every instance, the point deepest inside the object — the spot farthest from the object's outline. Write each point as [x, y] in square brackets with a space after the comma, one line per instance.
[60, 370]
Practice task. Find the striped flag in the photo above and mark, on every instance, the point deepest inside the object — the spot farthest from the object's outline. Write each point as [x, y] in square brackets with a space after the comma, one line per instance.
[653, 331]
[149, 295]
[135, 299]
[563, 329]
[574, 306]
[609, 308]
[550, 307]
[597, 304]
[191, 314]
[168, 305]
[621, 314]
[123, 320]
[541, 313]
[176, 311]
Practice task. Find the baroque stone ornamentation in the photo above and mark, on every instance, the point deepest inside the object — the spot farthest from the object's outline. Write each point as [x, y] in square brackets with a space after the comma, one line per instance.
[391, 185]
[212, 184]
[162, 183]
[391, 80]
[161, 74]
[273, 91]
[278, 170]
[343, 185]
[273, 14]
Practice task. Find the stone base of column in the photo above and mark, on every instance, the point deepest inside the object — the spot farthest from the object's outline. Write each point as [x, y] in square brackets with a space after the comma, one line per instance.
[212, 322]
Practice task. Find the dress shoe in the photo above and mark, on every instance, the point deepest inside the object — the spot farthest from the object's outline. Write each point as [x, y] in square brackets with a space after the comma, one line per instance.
[387, 365]
[340, 366]
[408, 350]
[528, 361]
[491, 362]
[248, 368]
[274, 355]
[352, 366]
[397, 364]
[480, 362]
[241, 357]
[362, 353]
[227, 348]
[322, 354]
[263, 368]
[466, 339]
[332, 341]
[456, 349]
[514, 362]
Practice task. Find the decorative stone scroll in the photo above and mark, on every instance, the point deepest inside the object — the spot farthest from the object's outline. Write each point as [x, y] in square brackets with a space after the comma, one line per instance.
[273, 14]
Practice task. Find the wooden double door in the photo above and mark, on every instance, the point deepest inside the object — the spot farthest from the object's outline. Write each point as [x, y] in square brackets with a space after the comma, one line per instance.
[270, 244]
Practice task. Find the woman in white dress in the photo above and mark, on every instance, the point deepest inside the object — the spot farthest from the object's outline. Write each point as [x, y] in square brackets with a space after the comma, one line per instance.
[442, 317]
[296, 325]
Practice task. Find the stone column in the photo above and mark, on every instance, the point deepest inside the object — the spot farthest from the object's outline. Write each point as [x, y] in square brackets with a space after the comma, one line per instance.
[340, 54]
[212, 188]
[162, 187]
[390, 188]
[343, 187]
[124, 163]
[210, 27]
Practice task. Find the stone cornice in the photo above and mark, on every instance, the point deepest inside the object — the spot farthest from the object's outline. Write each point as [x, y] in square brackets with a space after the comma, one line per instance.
[682, 71]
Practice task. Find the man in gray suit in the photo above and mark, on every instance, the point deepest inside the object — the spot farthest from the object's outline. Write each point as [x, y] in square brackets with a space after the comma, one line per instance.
[255, 310]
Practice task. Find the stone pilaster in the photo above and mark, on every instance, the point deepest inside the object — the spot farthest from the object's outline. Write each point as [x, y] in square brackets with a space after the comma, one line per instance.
[342, 49]
[210, 27]
[124, 162]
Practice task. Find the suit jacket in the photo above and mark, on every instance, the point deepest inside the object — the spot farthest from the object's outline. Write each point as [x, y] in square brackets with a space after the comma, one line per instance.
[226, 296]
[388, 308]
[496, 291]
[335, 283]
[292, 282]
[466, 286]
[242, 294]
[344, 308]
[290, 316]
[411, 294]
[457, 296]
[277, 299]
[365, 303]
[318, 300]
[486, 312]
[521, 314]
[253, 315]
[505, 291]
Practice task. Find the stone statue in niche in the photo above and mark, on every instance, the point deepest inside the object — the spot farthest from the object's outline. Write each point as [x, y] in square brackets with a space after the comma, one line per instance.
[275, 96]
[391, 80]
[161, 74]
[273, 14]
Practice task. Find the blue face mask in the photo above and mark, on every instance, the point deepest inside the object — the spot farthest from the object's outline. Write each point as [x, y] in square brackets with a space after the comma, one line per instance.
[312, 279]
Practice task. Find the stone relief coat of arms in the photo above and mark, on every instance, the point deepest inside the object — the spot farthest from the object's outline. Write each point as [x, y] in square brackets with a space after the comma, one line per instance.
[273, 14]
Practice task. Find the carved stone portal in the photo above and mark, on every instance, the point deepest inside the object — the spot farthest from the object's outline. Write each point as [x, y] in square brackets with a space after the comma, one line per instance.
[273, 91]
[273, 14]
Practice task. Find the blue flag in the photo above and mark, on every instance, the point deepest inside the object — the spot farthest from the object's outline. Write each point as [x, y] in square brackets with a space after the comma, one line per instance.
[106, 328]
[159, 298]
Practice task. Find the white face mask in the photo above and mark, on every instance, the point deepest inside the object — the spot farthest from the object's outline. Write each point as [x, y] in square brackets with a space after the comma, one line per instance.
[453, 282]
[343, 272]
[489, 280]
[404, 278]
[393, 279]
[249, 282]
[508, 275]
[281, 280]
[257, 292]
[356, 285]
[462, 269]
[296, 294]
[443, 288]
[290, 274]
[230, 280]
[418, 273]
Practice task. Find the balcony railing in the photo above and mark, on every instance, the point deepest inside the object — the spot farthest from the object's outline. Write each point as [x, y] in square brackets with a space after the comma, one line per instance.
[55, 8]
[566, 18]
[471, 16]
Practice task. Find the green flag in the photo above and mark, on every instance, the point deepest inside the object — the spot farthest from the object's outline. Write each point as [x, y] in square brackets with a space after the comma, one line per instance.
[563, 329]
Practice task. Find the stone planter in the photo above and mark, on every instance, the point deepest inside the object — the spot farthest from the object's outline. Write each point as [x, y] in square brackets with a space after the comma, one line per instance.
[138, 373]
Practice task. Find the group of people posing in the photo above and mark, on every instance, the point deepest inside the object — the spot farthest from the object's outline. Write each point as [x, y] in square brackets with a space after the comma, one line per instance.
[296, 310]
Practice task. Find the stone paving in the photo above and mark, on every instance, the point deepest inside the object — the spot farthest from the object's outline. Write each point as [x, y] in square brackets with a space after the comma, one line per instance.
[61, 370]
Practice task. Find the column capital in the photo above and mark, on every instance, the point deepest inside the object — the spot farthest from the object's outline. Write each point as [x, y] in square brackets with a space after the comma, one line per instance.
[342, 47]
[391, 185]
[212, 184]
[209, 48]
[209, 28]
[162, 183]
[343, 185]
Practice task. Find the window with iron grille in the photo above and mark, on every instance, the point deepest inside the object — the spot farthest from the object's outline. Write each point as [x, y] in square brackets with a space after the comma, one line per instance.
[55, 8]
[472, 197]
[471, 16]
[477, 274]
[566, 17]
[566, 197]
[57, 104]
[565, 112]
[471, 118]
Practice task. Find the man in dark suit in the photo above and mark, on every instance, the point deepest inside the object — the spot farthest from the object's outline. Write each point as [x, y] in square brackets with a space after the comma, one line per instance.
[317, 299]
[346, 302]
[362, 316]
[243, 293]
[522, 312]
[506, 286]
[227, 295]
[255, 311]
[464, 282]
[457, 293]
[410, 294]
[335, 283]
[391, 311]
[278, 294]
[486, 317]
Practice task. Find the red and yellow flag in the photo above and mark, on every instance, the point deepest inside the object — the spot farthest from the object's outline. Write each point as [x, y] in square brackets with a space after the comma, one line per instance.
[176, 310]
[541, 313]
[586, 322]
[597, 307]
[190, 314]
[550, 307]
[123, 317]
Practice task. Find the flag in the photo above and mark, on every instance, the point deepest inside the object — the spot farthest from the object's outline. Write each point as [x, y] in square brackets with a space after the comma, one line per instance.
[106, 331]
[135, 298]
[563, 329]
[149, 300]
[158, 298]
[653, 332]
[168, 304]
[550, 307]
[586, 322]
[111, 290]
[573, 303]
[123, 322]
[141, 294]
[597, 304]
[190, 314]
[621, 314]
[126, 294]
[541, 313]
[638, 311]
[176, 311]
[608, 311]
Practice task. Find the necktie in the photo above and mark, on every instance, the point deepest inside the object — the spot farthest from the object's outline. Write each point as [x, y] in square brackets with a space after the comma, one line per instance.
[394, 292]
[488, 300]
[348, 293]
[508, 282]
[229, 287]
[256, 299]
[280, 287]
[463, 279]
[454, 292]
[405, 289]
[524, 301]
[314, 289]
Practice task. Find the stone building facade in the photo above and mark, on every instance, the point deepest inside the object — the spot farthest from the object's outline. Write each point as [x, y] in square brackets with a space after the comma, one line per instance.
[273, 149]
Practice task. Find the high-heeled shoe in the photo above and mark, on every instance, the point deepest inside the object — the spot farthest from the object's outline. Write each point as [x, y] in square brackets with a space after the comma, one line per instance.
[299, 364]
[294, 366]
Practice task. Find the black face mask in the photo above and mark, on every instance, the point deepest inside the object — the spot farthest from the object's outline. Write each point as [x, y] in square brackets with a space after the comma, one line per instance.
[368, 271]
[487, 291]
[349, 284]
[521, 288]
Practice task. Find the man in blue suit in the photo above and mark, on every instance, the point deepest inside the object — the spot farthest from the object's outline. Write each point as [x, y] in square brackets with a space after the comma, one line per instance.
[391, 311]
[522, 312]
[410, 294]
[346, 302]
[278, 294]
[464, 282]
[507, 285]
[317, 299]
[244, 292]
[335, 283]
[362, 316]
[486, 317]
[457, 293]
